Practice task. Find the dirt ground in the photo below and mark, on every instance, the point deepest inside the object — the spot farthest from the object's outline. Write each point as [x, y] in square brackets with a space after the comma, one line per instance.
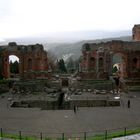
[58, 121]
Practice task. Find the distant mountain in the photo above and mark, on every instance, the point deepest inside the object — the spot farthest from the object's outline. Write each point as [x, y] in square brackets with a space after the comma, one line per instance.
[74, 49]
[66, 44]
[66, 37]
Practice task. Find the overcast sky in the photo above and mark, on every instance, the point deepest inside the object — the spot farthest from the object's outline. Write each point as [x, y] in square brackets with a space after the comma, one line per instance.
[20, 18]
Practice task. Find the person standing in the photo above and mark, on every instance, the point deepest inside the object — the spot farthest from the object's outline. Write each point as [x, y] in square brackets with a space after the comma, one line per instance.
[117, 82]
[74, 108]
[128, 103]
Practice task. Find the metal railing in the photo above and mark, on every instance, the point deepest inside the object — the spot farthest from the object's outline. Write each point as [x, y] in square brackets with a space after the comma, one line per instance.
[90, 135]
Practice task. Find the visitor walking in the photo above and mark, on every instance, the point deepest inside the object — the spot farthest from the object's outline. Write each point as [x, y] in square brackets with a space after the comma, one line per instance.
[117, 82]
[128, 103]
[74, 109]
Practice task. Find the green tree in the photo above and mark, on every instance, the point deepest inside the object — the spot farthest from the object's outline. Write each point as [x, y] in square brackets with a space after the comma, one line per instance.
[61, 66]
[115, 69]
[71, 65]
[14, 67]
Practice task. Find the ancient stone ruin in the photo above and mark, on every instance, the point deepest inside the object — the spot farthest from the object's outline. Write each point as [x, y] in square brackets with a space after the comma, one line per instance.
[98, 59]
[136, 32]
[33, 60]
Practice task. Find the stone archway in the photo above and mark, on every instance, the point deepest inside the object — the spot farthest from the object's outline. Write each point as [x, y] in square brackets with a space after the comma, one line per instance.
[13, 66]
[119, 61]
[28, 66]
[6, 64]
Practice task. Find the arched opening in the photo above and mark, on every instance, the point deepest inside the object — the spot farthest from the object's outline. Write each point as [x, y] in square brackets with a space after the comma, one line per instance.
[92, 61]
[119, 66]
[13, 66]
[101, 62]
[135, 61]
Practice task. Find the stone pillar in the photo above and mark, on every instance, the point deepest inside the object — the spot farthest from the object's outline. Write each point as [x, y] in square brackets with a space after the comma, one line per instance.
[136, 32]
[97, 64]
[88, 61]
[6, 71]
[110, 65]
[22, 64]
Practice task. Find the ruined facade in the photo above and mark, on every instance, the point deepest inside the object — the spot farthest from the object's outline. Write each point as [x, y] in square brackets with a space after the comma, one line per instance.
[33, 60]
[99, 59]
[136, 32]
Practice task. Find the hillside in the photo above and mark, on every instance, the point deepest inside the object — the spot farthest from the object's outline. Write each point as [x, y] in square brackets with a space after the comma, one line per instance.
[66, 44]
[74, 49]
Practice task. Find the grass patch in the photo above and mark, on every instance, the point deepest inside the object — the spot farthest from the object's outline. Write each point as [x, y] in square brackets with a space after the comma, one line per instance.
[102, 136]
[122, 133]
[17, 137]
[14, 136]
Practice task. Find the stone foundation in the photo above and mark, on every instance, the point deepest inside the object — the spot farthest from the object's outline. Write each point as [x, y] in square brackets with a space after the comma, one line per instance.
[53, 105]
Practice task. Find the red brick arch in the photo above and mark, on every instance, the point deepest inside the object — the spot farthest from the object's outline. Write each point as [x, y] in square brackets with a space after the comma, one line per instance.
[127, 51]
[121, 63]
[6, 66]
[28, 66]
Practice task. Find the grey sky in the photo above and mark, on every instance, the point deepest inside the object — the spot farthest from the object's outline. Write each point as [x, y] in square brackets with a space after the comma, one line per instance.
[20, 18]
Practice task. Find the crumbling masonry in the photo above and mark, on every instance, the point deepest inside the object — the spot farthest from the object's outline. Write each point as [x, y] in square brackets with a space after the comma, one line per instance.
[33, 60]
[98, 59]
